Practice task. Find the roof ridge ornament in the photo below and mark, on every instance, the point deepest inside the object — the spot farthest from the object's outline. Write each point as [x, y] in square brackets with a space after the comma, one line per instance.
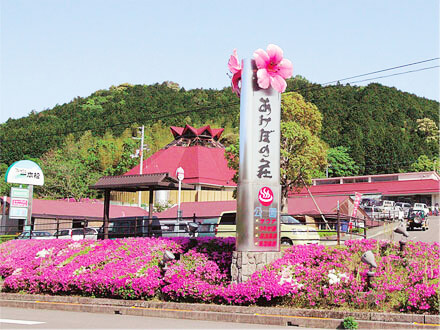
[188, 136]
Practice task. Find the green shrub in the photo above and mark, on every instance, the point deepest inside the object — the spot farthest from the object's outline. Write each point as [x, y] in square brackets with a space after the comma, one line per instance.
[349, 323]
[4, 238]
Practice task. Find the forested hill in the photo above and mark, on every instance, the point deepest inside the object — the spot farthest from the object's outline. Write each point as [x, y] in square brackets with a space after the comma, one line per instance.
[386, 129]
[378, 123]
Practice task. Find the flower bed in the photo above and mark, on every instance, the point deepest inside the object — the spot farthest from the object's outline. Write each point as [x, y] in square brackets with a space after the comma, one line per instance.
[307, 276]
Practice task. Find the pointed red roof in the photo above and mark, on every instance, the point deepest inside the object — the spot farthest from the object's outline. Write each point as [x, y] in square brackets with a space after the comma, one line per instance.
[203, 164]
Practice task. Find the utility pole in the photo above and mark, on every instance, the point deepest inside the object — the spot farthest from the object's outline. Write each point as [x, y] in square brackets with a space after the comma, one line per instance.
[140, 152]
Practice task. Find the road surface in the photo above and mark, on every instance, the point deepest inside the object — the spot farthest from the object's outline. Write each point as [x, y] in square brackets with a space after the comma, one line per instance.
[429, 236]
[20, 318]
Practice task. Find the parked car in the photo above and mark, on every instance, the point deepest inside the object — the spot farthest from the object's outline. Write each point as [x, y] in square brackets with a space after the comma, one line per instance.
[295, 232]
[391, 211]
[417, 219]
[77, 233]
[139, 227]
[292, 231]
[174, 228]
[207, 227]
[421, 206]
[369, 202]
[130, 227]
[35, 235]
[374, 212]
[405, 207]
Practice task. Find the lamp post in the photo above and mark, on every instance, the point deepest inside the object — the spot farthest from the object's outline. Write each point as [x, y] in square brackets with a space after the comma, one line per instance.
[140, 153]
[180, 173]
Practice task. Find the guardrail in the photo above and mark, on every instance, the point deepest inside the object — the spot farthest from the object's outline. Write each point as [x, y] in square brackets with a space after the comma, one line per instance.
[312, 228]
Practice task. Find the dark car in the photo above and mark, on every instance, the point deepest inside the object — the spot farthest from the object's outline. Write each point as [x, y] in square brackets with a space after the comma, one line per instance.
[207, 227]
[417, 219]
[131, 227]
[35, 235]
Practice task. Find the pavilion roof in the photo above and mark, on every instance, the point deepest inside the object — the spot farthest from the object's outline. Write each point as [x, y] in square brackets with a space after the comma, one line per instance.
[139, 182]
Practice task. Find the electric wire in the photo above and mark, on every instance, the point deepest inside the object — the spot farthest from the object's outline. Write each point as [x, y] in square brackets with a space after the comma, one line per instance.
[383, 70]
[215, 107]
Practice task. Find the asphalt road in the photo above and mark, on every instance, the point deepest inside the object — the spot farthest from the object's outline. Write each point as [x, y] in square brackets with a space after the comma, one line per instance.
[429, 236]
[19, 318]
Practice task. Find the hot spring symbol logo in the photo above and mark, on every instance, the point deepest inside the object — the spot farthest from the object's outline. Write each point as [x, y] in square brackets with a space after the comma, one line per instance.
[265, 196]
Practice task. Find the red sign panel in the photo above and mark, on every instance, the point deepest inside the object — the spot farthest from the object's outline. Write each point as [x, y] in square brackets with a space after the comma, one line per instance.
[19, 202]
[357, 201]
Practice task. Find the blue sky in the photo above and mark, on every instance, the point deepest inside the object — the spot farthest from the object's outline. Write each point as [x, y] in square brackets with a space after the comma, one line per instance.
[55, 50]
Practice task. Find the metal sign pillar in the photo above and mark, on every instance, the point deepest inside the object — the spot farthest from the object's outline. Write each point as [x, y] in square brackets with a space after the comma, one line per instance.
[259, 191]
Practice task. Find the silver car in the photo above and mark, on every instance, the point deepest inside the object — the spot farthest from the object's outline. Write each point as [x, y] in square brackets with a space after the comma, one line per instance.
[77, 234]
[35, 235]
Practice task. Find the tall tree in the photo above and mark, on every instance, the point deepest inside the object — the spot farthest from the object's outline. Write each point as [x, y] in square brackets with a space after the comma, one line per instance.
[424, 164]
[340, 162]
[70, 171]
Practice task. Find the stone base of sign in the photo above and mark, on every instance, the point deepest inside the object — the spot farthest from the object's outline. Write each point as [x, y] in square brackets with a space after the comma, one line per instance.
[244, 264]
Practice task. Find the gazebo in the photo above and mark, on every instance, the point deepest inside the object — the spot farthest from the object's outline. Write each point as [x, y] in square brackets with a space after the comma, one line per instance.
[133, 183]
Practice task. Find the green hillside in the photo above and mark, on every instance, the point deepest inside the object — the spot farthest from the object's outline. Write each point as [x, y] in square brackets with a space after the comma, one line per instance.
[377, 123]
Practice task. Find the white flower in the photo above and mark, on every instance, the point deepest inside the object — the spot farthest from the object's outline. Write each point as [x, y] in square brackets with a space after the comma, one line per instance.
[43, 253]
[336, 277]
[17, 271]
[74, 245]
[286, 277]
[80, 270]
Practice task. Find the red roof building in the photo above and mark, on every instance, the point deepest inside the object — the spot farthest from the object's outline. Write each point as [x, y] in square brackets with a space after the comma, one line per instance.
[46, 212]
[198, 152]
[296, 206]
[421, 187]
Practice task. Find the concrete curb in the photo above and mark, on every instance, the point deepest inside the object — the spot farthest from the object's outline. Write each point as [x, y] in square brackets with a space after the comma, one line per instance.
[209, 312]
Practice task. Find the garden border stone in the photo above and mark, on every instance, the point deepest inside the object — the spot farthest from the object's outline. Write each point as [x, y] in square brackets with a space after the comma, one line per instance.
[211, 312]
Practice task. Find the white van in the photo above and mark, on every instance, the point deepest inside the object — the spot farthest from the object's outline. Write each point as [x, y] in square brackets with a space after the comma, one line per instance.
[421, 206]
[387, 204]
[392, 211]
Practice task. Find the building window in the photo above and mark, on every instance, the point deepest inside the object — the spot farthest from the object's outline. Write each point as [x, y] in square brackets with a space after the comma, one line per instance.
[331, 181]
[385, 178]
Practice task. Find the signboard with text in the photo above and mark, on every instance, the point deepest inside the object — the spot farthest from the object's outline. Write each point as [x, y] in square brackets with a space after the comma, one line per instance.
[25, 172]
[19, 203]
[259, 169]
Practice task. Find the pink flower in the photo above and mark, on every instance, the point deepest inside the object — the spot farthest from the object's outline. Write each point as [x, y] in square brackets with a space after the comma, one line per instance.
[235, 67]
[272, 68]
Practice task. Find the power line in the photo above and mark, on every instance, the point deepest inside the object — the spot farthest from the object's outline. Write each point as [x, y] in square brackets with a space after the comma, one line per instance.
[383, 70]
[322, 86]
[396, 74]
[213, 107]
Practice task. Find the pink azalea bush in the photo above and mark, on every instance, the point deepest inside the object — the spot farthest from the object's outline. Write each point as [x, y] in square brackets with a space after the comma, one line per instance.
[307, 276]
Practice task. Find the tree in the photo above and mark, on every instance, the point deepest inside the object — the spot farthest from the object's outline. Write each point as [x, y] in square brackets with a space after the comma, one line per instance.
[5, 188]
[340, 163]
[302, 151]
[428, 128]
[70, 171]
[424, 164]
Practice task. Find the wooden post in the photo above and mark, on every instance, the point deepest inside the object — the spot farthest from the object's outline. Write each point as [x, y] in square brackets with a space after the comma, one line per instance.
[58, 226]
[150, 213]
[365, 228]
[339, 228]
[106, 211]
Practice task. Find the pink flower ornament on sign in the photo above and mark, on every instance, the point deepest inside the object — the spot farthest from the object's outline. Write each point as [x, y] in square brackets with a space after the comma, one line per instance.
[272, 69]
[235, 67]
